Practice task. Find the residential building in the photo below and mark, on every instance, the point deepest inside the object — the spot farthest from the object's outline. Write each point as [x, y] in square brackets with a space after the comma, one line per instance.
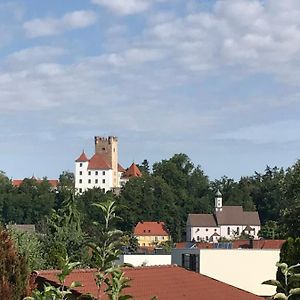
[243, 268]
[138, 260]
[164, 282]
[102, 170]
[150, 234]
[225, 222]
[53, 182]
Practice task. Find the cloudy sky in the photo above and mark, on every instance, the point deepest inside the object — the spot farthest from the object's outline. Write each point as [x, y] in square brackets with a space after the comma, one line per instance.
[217, 80]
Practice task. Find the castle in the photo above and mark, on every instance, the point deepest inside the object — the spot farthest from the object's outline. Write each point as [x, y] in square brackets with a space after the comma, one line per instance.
[102, 170]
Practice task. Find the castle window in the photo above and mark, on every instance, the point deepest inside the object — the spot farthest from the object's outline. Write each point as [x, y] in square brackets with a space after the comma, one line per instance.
[103, 180]
[89, 181]
[103, 172]
[80, 180]
[96, 180]
[96, 172]
[80, 165]
[228, 230]
[80, 172]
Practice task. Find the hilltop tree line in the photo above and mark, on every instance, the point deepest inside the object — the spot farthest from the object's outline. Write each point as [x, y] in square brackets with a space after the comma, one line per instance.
[167, 191]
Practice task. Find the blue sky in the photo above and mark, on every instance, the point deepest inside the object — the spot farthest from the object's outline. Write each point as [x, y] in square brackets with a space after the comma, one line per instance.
[217, 80]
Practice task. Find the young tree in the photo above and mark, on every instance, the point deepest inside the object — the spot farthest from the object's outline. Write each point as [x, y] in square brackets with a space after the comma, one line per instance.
[14, 278]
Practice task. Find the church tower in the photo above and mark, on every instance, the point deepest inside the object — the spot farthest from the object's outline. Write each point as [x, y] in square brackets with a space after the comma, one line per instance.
[108, 148]
[218, 201]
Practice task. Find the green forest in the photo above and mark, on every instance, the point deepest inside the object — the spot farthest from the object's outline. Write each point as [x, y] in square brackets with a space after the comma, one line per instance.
[167, 191]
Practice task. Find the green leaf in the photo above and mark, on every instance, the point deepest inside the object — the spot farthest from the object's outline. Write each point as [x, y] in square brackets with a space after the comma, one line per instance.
[273, 282]
[280, 296]
[75, 284]
[295, 291]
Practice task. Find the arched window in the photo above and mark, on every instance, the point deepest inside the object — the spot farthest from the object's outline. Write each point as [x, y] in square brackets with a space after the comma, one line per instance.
[228, 230]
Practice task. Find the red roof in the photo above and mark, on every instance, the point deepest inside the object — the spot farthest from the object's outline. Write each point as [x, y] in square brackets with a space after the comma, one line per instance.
[121, 169]
[82, 158]
[52, 182]
[258, 244]
[151, 228]
[98, 162]
[164, 282]
[132, 171]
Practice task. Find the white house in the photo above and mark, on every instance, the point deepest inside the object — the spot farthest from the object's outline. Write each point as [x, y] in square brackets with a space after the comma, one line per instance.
[102, 170]
[226, 221]
[243, 268]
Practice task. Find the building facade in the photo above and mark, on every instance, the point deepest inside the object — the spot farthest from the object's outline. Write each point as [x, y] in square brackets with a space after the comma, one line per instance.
[151, 234]
[102, 170]
[226, 222]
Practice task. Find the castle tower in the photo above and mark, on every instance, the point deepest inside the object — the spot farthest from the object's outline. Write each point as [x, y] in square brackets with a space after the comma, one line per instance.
[218, 201]
[108, 147]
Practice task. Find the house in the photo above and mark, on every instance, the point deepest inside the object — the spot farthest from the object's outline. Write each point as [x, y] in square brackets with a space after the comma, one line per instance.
[102, 170]
[138, 260]
[164, 282]
[150, 234]
[226, 222]
[243, 268]
[53, 182]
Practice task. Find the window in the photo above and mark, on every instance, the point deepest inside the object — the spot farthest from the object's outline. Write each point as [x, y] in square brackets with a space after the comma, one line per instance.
[206, 229]
[238, 230]
[96, 180]
[144, 244]
[215, 229]
[103, 190]
[80, 190]
[163, 238]
[89, 181]
[80, 180]
[80, 165]
[80, 172]
[198, 238]
[144, 230]
[89, 173]
[96, 172]
[190, 261]
[254, 231]
[228, 230]
[103, 180]
[156, 238]
[206, 238]
[103, 172]
[103, 149]
[149, 230]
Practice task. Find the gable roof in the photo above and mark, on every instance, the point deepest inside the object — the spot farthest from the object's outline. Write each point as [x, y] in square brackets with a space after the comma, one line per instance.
[164, 282]
[132, 171]
[53, 182]
[234, 215]
[82, 158]
[230, 215]
[98, 162]
[121, 169]
[201, 220]
[151, 228]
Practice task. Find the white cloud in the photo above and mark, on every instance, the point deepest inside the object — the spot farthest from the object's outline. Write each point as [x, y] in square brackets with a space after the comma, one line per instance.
[126, 7]
[52, 26]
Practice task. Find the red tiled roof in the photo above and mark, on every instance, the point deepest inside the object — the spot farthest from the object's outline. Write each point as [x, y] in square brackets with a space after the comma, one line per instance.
[82, 158]
[164, 282]
[52, 182]
[151, 228]
[98, 162]
[132, 171]
[258, 244]
[121, 169]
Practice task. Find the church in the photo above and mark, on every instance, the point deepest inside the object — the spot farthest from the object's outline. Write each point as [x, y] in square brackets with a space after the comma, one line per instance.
[103, 170]
[225, 222]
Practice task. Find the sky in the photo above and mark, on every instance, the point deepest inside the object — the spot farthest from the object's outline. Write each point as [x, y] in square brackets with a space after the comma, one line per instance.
[217, 80]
